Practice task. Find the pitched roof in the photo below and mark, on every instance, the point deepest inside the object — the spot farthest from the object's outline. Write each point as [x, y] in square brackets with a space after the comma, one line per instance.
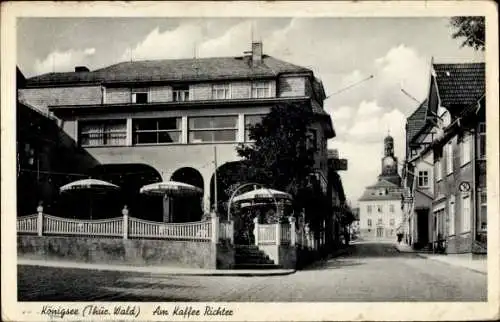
[199, 69]
[459, 85]
[393, 191]
[416, 121]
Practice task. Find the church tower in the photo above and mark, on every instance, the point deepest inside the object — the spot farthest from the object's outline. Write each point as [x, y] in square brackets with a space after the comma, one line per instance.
[389, 169]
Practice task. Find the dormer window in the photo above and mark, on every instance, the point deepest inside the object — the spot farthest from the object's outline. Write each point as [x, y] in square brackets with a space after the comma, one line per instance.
[261, 89]
[139, 96]
[180, 93]
[221, 91]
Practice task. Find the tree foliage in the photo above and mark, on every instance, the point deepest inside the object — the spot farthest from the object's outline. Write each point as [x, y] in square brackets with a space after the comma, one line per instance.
[471, 30]
[280, 156]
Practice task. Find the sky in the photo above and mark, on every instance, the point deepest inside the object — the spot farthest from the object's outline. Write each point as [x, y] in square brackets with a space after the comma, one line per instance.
[342, 52]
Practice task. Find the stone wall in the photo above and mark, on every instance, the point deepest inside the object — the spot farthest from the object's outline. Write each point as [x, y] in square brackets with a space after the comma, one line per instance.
[143, 252]
[458, 244]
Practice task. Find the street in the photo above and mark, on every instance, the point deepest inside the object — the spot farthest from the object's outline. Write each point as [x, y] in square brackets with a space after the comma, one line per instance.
[368, 272]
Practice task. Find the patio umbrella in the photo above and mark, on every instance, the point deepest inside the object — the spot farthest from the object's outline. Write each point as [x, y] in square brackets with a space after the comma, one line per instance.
[169, 189]
[89, 186]
[259, 194]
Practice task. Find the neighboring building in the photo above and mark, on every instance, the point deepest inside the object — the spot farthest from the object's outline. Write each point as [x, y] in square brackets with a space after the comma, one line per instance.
[46, 158]
[455, 141]
[160, 120]
[380, 213]
[354, 227]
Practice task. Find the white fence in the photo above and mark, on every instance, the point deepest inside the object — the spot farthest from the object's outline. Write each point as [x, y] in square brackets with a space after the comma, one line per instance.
[62, 226]
[286, 234]
[28, 224]
[226, 231]
[140, 228]
[266, 234]
[124, 227]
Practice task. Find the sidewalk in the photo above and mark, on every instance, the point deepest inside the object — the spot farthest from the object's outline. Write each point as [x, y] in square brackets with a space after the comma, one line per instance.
[479, 265]
[155, 269]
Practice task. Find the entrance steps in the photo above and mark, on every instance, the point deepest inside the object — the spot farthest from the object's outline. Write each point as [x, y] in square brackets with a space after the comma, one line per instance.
[251, 257]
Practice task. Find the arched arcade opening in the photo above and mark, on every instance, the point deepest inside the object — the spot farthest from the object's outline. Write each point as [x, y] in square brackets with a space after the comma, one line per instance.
[187, 208]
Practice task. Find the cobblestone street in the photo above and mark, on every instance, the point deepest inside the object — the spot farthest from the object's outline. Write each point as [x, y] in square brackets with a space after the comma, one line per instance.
[369, 272]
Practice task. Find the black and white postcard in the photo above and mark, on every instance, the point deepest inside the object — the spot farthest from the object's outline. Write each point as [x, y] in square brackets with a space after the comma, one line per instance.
[230, 161]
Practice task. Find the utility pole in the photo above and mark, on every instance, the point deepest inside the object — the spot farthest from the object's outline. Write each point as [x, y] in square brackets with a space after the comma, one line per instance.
[215, 178]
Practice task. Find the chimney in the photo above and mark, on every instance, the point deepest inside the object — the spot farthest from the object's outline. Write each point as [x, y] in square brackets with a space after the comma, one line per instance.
[256, 52]
[79, 69]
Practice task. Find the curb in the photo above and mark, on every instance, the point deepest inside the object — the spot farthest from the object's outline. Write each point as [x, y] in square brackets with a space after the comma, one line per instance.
[437, 260]
[156, 269]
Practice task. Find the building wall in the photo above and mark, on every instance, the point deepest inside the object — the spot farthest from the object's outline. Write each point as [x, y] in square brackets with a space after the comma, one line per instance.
[292, 86]
[367, 232]
[460, 241]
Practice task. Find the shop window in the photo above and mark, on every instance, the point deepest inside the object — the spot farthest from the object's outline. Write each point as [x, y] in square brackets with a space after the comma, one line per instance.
[483, 218]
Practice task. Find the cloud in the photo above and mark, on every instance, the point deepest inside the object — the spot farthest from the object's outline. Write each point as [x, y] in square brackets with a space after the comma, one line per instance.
[368, 108]
[342, 113]
[63, 61]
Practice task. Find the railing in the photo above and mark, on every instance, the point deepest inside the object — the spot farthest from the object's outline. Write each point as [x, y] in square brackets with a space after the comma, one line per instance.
[140, 228]
[286, 234]
[62, 226]
[267, 234]
[124, 227]
[28, 224]
[226, 231]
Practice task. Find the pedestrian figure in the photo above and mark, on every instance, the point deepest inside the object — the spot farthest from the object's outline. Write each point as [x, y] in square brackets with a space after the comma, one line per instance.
[400, 237]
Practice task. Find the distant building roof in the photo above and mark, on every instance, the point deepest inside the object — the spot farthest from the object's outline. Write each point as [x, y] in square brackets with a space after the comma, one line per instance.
[416, 121]
[194, 69]
[459, 85]
[391, 191]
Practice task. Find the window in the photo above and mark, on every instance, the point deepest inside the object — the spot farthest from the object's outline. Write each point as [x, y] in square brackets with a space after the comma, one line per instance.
[449, 158]
[380, 232]
[139, 97]
[180, 93]
[213, 129]
[312, 139]
[482, 141]
[221, 91]
[251, 120]
[451, 215]
[261, 89]
[369, 222]
[161, 130]
[391, 208]
[483, 218]
[103, 132]
[380, 221]
[439, 170]
[465, 149]
[369, 209]
[466, 214]
[392, 222]
[423, 179]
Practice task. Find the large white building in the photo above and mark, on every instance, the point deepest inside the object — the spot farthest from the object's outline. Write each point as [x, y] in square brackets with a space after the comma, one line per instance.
[380, 213]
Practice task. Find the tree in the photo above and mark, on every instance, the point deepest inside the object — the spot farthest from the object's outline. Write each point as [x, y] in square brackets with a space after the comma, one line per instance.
[470, 28]
[280, 156]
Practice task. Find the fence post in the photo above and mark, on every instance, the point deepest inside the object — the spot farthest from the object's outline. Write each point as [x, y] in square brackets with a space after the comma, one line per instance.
[278, 233]
[215, 228]
[39, 224]
[125, 222]
[256, 230]
[292, 231]
[231, 231]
